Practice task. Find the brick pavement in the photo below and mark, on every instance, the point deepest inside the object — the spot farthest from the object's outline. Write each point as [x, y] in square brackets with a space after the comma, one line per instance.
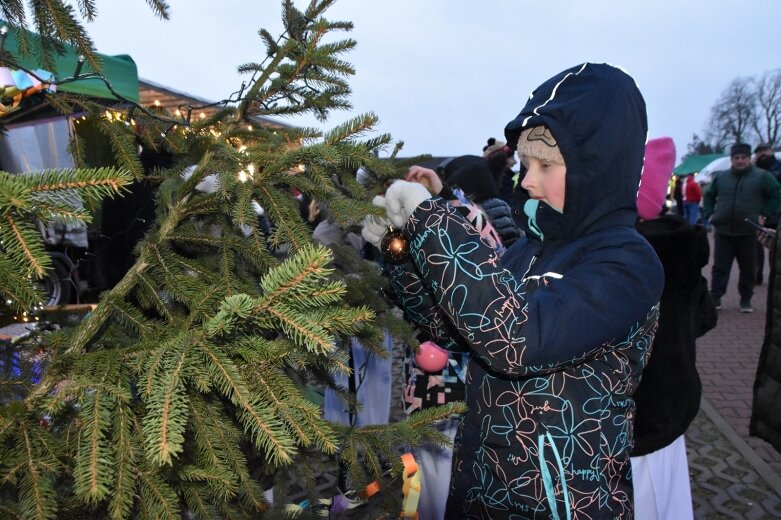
[727, 361]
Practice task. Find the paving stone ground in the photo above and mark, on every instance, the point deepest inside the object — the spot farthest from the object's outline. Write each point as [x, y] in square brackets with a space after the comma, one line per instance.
[719, 440]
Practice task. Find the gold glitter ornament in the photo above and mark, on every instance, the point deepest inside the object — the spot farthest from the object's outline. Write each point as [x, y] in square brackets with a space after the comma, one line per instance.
[395, 247]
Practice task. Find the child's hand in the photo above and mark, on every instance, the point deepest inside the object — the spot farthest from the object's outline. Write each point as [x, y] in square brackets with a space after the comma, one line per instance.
[425, 176]
[402, 198]
[374, 228]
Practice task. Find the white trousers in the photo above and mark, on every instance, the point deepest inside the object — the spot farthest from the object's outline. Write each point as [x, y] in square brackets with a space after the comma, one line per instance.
[661, 484]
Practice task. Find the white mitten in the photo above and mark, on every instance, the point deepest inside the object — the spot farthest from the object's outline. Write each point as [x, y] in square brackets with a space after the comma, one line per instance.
[402, 198]
[374, 228]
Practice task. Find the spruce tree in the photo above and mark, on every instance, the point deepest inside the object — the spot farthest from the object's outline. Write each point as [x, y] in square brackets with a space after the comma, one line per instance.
[183, 391]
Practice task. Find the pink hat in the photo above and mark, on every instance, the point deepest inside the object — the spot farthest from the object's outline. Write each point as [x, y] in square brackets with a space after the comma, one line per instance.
[657, 169]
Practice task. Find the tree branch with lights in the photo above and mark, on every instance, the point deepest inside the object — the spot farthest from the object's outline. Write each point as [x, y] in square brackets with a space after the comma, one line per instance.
[183, 393]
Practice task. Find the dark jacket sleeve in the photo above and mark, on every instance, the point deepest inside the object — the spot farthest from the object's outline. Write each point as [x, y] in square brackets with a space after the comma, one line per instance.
[706, 316]
[772, 191]
[709, 197]
[417, 303]
[517, 331]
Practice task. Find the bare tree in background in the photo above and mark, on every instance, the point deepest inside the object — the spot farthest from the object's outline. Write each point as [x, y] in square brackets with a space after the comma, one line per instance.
[733, 116]
[748, 110]
[767, 123]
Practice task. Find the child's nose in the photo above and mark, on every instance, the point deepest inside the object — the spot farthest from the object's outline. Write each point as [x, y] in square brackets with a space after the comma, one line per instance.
[526, 182]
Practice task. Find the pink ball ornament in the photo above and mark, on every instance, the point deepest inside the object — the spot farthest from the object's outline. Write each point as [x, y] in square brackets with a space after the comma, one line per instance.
[431, 357]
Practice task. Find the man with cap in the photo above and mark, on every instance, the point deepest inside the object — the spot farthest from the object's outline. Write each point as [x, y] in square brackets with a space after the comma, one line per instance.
[765, 158]
[744, 192]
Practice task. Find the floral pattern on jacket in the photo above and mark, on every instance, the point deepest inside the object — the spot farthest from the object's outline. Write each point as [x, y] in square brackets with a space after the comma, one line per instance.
[428, 389]
[530, 436]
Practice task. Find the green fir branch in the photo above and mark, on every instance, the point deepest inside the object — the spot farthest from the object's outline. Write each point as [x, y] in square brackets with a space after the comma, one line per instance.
[124, 147]
[16, 289]
[160, 8]
[166, 416]
[304, 269]
[91, 183]
[126, 455]
[157, 498]
[37, 496]
[95, 464]
[22, 244]
[266, 430]
[351, 129]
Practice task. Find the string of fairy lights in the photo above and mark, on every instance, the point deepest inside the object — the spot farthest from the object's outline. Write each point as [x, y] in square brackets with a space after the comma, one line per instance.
[183, 112]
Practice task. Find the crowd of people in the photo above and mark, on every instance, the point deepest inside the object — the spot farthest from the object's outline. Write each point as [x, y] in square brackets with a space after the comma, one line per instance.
[566, 315]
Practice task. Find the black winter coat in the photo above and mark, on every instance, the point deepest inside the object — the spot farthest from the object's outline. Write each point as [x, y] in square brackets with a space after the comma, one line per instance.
[766, 410]
[668, 397]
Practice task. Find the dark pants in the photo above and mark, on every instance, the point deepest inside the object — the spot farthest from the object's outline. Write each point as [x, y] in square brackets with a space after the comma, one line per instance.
[725, 250]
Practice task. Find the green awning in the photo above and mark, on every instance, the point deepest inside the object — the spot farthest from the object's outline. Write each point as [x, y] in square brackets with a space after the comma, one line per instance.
[120, 71]
[695, 163]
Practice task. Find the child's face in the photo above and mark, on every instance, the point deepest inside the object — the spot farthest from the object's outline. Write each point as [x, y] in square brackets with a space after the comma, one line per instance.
[545, 181]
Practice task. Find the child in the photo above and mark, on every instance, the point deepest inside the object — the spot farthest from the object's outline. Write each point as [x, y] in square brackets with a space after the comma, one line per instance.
[560, 327]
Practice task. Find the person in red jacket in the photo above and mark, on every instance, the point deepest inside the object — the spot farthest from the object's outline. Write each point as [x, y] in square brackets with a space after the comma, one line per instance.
[692, 195]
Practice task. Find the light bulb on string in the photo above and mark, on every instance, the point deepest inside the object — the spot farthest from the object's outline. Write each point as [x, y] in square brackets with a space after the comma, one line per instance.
[79, 65]
[129, 119]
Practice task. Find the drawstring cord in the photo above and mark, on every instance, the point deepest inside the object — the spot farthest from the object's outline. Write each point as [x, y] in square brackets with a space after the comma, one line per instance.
[546, 477]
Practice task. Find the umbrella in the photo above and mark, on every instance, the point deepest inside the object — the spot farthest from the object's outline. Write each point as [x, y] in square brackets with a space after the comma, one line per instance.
[695, 163]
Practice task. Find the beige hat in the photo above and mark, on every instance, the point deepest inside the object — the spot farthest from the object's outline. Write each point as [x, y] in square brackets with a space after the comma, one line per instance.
[538, 142]
[494, 146]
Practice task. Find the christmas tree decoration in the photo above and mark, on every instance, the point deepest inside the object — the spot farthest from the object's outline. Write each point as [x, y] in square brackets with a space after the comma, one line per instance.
[187, 391]
[431, 357]
[395, 247]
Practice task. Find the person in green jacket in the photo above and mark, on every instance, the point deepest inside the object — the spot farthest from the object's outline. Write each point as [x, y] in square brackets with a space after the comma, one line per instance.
[744, 192]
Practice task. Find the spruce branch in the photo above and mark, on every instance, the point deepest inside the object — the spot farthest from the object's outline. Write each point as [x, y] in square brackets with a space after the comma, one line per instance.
[94, 183]
[265, 429]
[15, 286]
[94, 469]
[160, 8]
[22, 243]
[189, 380]
[158, 499]
[167, 409]
[126, 456]
[307, 267]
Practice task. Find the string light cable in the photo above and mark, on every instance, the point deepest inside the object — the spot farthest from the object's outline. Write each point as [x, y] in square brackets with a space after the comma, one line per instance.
[235, 97]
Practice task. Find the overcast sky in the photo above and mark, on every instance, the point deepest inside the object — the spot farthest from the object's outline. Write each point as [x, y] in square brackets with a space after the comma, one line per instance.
[443, 76]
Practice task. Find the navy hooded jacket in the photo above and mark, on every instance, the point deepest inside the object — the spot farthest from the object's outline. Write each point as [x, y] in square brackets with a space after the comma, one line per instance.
[560, 327]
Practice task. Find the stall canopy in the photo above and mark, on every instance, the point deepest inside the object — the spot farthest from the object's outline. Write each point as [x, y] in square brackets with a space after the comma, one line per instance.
[119, 71]
[695, 163]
